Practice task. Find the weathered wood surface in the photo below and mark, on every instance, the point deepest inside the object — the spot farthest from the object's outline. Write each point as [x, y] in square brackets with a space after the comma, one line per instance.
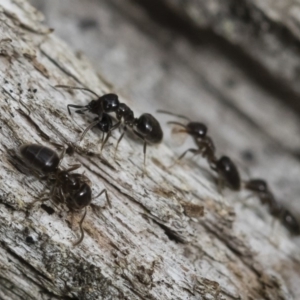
[129, 250]
[157, 63]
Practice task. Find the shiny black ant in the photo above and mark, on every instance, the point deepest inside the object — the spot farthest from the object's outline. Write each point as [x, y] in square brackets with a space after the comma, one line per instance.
[262, 191]
[145, 127]
[72, 189]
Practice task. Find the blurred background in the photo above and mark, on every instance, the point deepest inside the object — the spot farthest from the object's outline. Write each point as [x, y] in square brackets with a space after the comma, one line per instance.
[233, 65]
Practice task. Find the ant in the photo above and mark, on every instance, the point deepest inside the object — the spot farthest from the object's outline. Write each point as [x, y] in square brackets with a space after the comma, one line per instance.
[198, 132]
[73, 189]
[145, 127]
[262, 191]
[224, 166]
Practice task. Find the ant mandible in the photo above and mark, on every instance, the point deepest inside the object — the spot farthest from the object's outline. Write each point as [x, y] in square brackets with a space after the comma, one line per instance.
[73, 189]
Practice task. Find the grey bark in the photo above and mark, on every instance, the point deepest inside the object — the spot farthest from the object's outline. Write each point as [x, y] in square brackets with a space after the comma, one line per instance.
[150, 244]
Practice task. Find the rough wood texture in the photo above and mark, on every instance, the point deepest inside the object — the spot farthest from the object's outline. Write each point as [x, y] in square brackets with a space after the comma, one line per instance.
[148, 245]
[158, 61]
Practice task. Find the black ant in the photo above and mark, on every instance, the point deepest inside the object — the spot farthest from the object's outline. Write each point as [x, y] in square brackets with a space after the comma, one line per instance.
[198, 131]
[145, 127]
[73, 189]
[226, 169]
[261, 189]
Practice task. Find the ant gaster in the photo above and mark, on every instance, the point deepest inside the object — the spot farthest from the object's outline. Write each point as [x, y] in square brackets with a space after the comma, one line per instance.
[73, 189]
[261, 189]
[146, 126]
[228, 173]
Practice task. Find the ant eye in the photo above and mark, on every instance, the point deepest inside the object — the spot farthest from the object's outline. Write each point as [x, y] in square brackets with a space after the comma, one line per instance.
[110, 102]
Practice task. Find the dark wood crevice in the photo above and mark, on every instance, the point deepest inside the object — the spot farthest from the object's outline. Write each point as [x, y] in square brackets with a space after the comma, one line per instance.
[242, 12]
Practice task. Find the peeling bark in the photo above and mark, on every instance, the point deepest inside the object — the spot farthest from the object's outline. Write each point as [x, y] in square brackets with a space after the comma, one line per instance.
[148, 245]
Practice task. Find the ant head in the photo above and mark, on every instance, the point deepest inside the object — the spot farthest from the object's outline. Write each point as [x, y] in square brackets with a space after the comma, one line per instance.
[229, 173]
[196, 129]
[105, 124]
[110, 102]
[149, 128]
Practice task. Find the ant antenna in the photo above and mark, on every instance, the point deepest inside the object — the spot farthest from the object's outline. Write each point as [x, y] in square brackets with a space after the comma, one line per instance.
[76, 88]
[81, 229]
[161, 111]
[177, 123]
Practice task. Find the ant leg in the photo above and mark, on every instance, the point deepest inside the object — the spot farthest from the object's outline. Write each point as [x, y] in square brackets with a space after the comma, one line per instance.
[31, 204]
[220, 185]
[62, 156]
[104, 141]
[195, 151]
[109, 134]
[144, 150]
[73, 168]
[106, 195]
[93, 124]
[81, 229]
[83, 108]
[119, 140]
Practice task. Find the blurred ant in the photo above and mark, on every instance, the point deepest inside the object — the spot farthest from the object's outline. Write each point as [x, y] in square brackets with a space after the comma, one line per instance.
[73, 189]
[224, 166]
[145, 127]
[198, 132]
[261, 189]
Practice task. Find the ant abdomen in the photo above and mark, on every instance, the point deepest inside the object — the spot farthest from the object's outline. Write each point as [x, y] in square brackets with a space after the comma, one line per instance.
[40, 158]
[228, 173]
[148, 128]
